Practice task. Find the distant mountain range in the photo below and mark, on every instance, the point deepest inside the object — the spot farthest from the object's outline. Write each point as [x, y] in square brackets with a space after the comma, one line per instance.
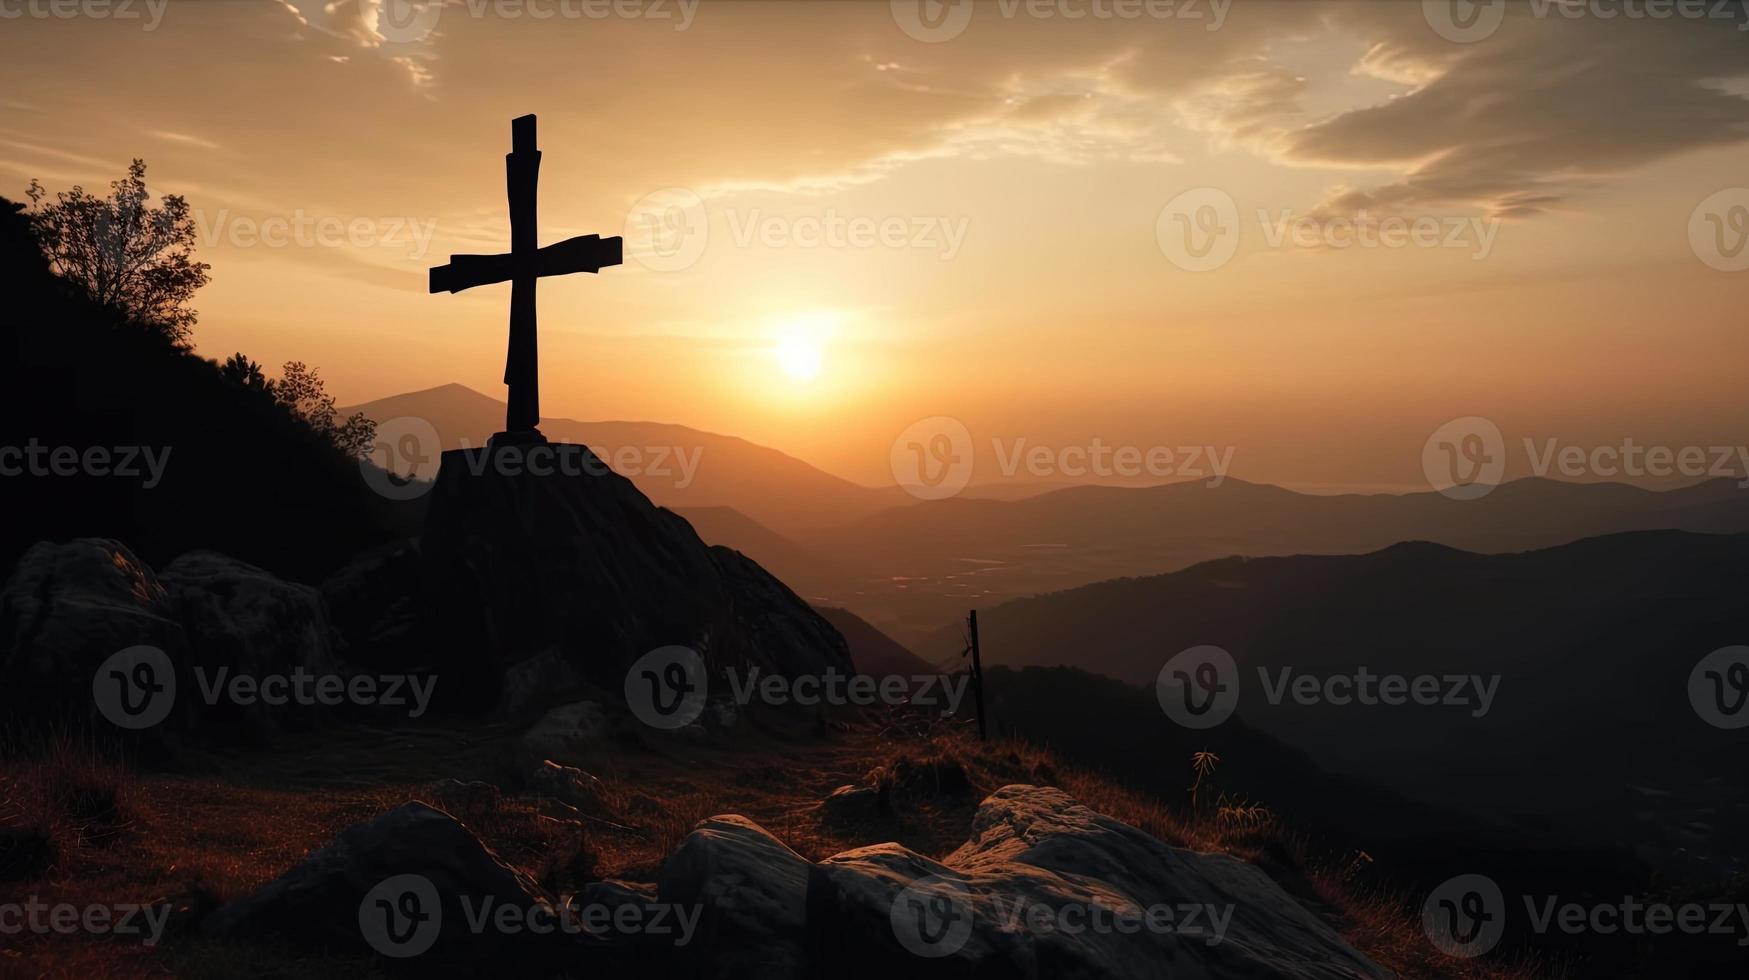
[953, 554]
[909, 566]
[1589, 646]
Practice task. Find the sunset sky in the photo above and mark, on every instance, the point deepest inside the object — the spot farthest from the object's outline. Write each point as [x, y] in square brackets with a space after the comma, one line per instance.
[1020, 275]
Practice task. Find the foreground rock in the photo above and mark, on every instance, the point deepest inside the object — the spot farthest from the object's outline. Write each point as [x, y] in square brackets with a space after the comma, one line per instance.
[1044, 889]
[373, 602]
[569, 785]
[537, 584]
[68, 608]
[752, 893]
[242, 621]
[411, 884]
[1048, 888]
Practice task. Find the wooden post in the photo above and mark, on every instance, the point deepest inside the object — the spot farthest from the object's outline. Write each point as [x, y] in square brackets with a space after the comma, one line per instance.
[978, 677]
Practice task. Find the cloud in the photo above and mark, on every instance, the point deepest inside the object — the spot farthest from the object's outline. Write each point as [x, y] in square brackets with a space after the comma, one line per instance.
[1535, 118]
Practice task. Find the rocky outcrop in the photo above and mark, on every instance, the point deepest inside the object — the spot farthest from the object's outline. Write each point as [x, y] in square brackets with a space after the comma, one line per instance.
[373, 603]
[1048, 888]
[241, 620]
[569, 785]
[752, 892]
[67, 609]
[410, 885]
[565, 730]
[850, 805]
[1044, 888]
[542, 569]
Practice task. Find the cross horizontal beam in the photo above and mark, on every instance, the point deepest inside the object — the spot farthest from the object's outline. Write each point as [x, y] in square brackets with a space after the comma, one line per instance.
[585, 253]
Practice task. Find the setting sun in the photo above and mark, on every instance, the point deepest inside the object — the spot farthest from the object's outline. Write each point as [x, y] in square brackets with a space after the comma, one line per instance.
[799, 349]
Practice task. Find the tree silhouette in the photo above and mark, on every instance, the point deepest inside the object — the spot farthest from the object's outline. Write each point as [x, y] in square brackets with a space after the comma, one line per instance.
[301, 391]
[245, 373]
[126, 256]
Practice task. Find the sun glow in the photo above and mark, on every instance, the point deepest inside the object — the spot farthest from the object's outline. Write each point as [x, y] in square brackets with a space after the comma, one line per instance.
[800, 346]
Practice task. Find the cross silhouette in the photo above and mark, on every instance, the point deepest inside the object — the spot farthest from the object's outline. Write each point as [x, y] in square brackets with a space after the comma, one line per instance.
[523, 266]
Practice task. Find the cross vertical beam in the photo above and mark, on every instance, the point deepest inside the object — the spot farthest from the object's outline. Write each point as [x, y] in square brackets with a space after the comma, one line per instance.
[522, 176]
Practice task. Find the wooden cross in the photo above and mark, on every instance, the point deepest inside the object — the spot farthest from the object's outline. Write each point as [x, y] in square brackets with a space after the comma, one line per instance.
[523, 266]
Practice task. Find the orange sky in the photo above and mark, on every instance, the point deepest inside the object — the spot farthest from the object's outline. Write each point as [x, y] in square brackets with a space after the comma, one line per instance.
[979, 226]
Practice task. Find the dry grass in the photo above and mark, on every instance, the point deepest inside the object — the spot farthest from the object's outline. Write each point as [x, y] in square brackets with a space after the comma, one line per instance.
[217, 824]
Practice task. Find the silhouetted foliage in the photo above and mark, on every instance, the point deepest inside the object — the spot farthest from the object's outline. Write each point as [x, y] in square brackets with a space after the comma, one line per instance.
[127, 256]
[300, 390]
[242, 371]
[243, 476]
